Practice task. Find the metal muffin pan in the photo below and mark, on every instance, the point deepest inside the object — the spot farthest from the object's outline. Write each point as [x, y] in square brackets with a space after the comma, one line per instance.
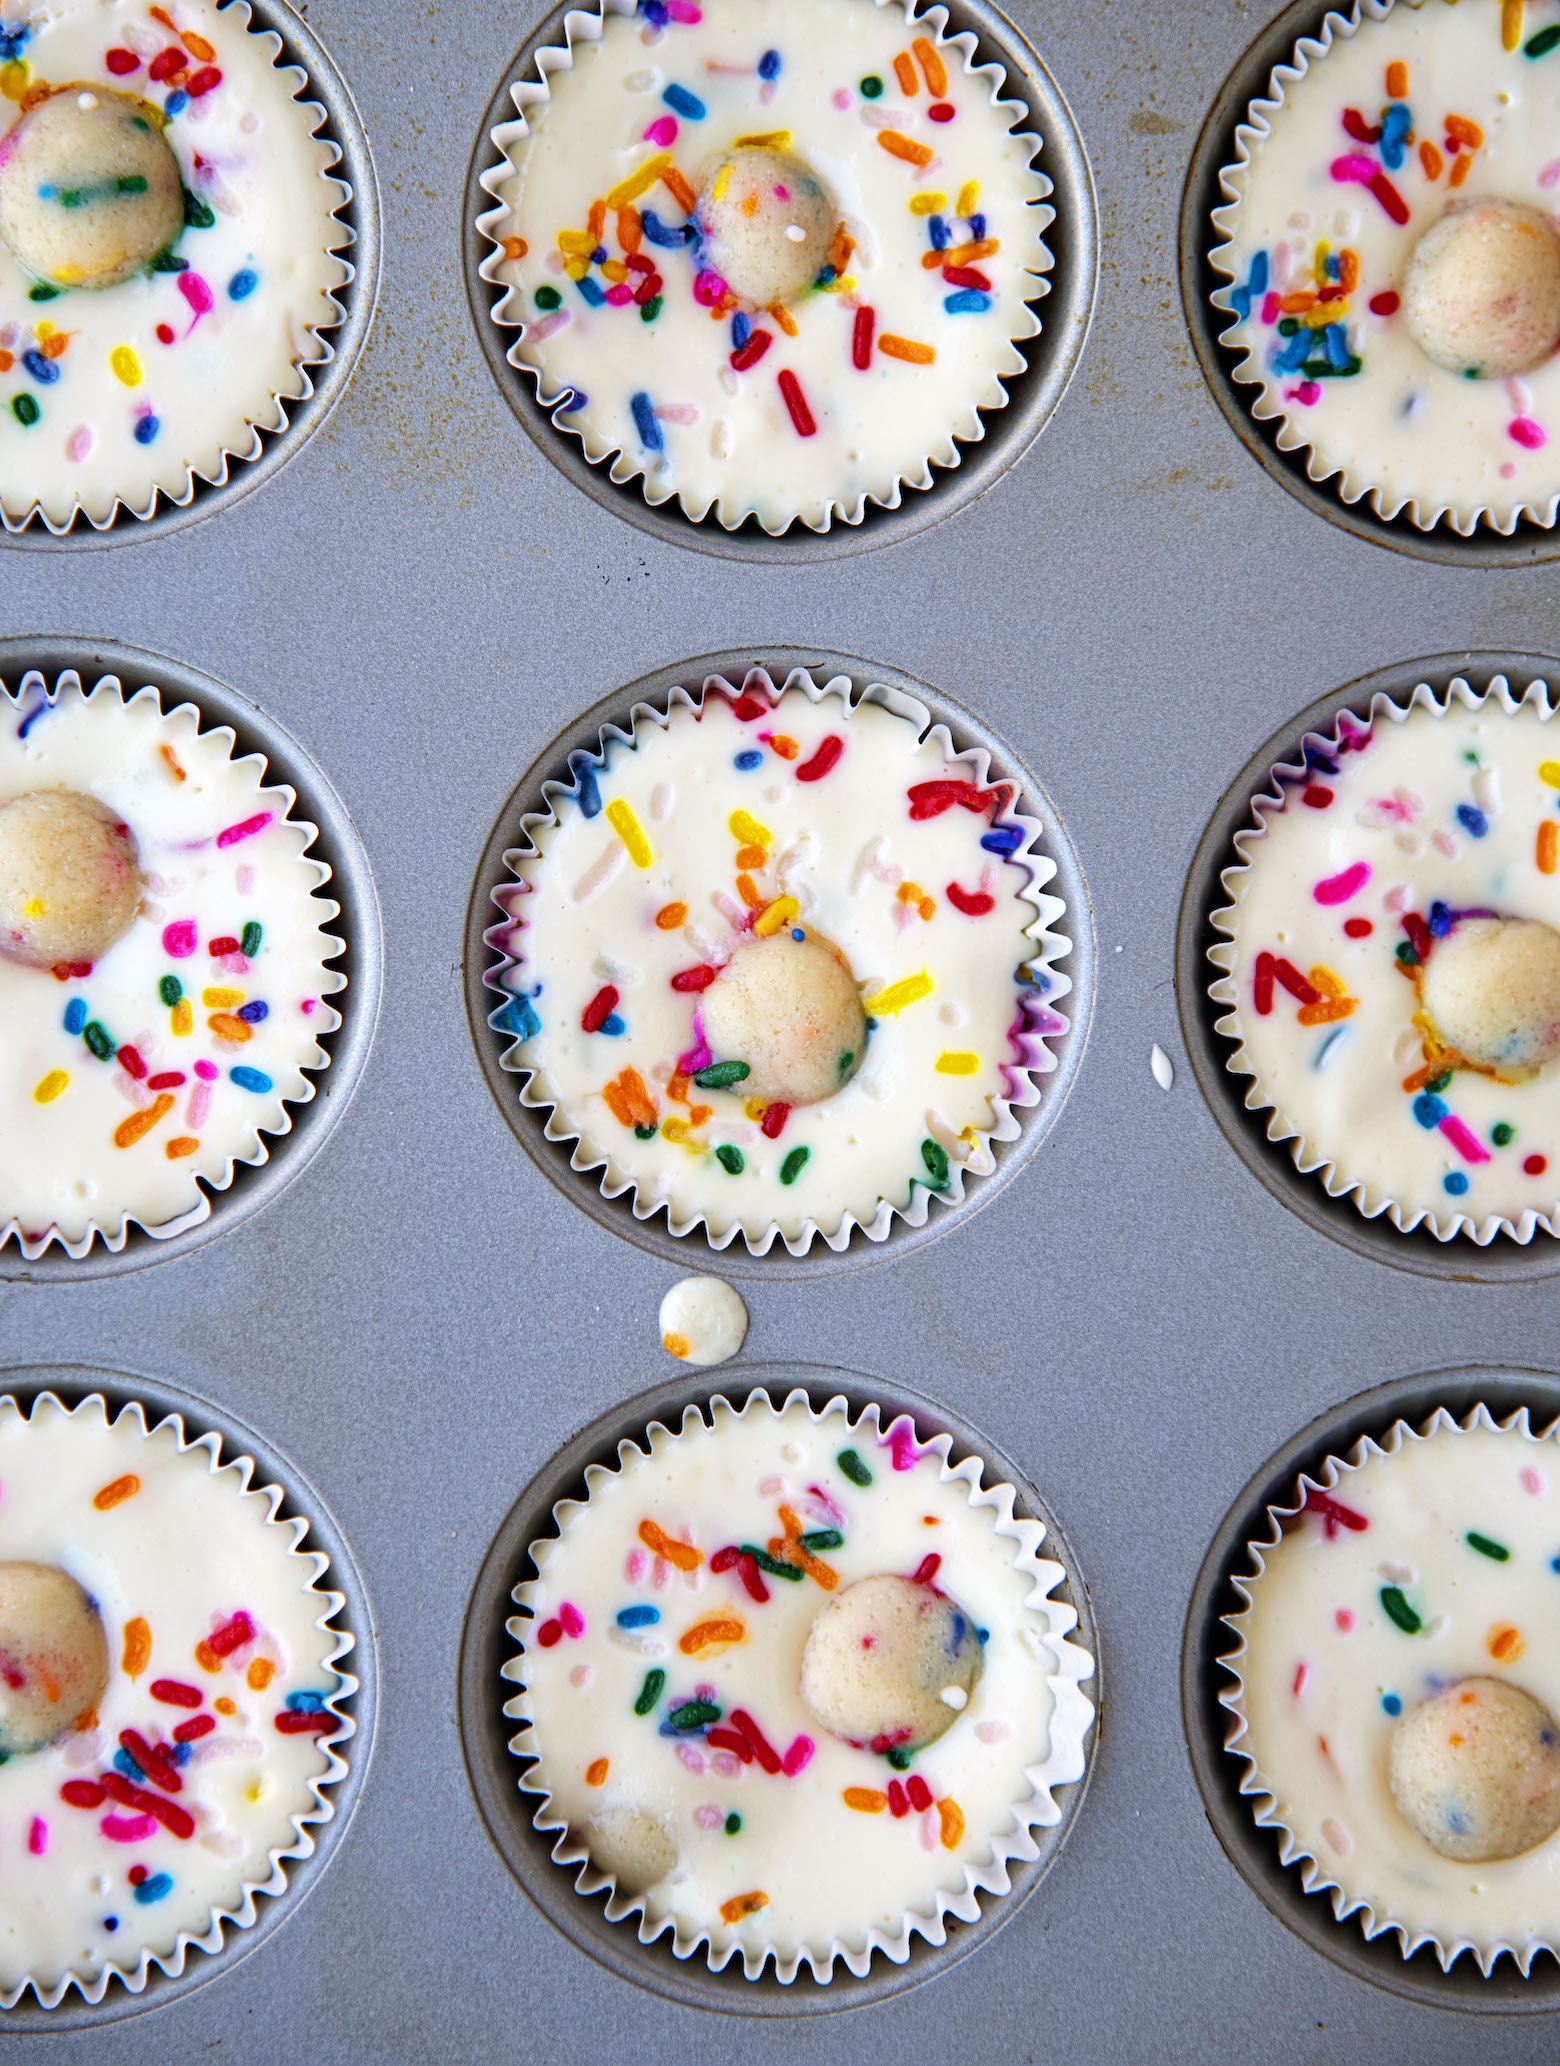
[342, 126]
[351, 885]
[1253, 1851]
[583, 1187]
[1528, 544]
[72, 1384]
[494, 1770]
[1460, 1260]
[1065, 309]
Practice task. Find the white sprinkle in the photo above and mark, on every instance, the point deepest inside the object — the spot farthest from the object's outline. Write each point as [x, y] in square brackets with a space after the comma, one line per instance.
[720, 437]
[223, 1750]
[993, 1731]
[795, 234]
[644, 80]
[1398, 1574]
[1398, 898]
[1337, 1836]
[772, 1487]
[662, 797]
[86, 102]
[793, 1452]
[641, 1645]
[1162, 1066]
[1409, 843]
[1444, 843]
[1486, 792]
[1406, 1050]
[582, 1675]
[952, 1014]
[600, 873]
[954, 1697]
[249, 122]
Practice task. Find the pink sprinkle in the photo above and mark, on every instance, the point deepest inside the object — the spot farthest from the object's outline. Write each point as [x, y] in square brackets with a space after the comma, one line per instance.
[1462, 1140]
[1270, 308]
[307, 1006]
[179, 939]
[993, 1732]
[245, 879]
[1337, 1836]
[782, 193]
[771, 1487]
[207, 1071]
[661, 1576]
[38, 1836]
[233, 964]
[636, 1566]
[1345, 1620]
[797, 1756]
[1529, 435]
[692, 1758]
[1308, 394]
[80, 441]
[1297, 1685]
[127, 1829]
[1509, 469]
[1338, 889]
[246, 827]
[1397, 899]
[197, 294]
[573, 1620]
[708, 288]
[1531, 1480]
[842, 96]
[662, 131]
[684, 11]
[728, 1766]
[548, 324]
[1550, 176]
[931, 1830]
[694, 1060]
[581, 1676]
[1353, 168]
[618, 294]
[199, 1106]
[708, 1816]
[901, 1445]
[704, 1691]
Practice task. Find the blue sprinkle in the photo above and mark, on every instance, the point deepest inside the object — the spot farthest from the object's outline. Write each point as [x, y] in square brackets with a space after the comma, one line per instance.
[1395, 125]
[824, 276]
[243, 284]
[741, 330]
[977, 225]
[1334, 267]
[1440, 920]
[1428, 1109]
[1457, 1821]
[752, 758]
[1292, 355]
[959, 1625]
[1254, 289]
[111, 1923]
[254, 1012]
[12, 39]
[1455, 1184]
[684, 103]
[43, 370]
[127, 1766]
[306, 1703]
[146, 427]
[645, 422]
[1554, 1563]
[157, 1888]
[591, 291]
[612, 1024]
[638, 1617]
[1473, 821]
[655, 11]
[585, 781]
[176, 102]
[600, 255]
[180, 1754]
[1391, 1703]
[969, 301]
[251, 1079]
[984, 1634]
[1335, 342]
[769, 65]
[1322, 762]
[1327, 1046]
[518, 1018]
[797, 933]
[1002, 839]
[32, 718]
[664, 234]
[937, 230]
[75, 1015]
[571, 400]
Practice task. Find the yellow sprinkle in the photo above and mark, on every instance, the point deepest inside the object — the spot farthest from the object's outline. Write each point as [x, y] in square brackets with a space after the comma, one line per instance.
[722, 181]
[675, 1130]
[766, 140]
[615, 271]
[638, 182]
[51, 1086]
[628, 829]
[1327, 982]
[125, 364]
[221, 1000]
[894, 999]
[775, 915]
[928, 204]
[1550, 772]
[183, 1017]
[13, 78]
[675, 1345]
[754, 1108]
[577, 242]
[748, 830]
[576, 268]
[969, 198]
[954, 1063]
[34, 908]
[1510, 24]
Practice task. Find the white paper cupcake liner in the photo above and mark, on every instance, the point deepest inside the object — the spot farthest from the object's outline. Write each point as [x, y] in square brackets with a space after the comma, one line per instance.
[1071, 1720]
[1315, 1875]
[1042, 1022]
[34, 692]
[1309, 1159]
[582, 27]
[272, 1879]
[1351, 487]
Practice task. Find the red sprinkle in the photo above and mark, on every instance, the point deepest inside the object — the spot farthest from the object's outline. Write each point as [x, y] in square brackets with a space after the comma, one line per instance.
[1361, 130]
[966, 276]
[224, 944]
[898, 1805]
[290, 1724]
[70, 971]
[1295, 983]
[1535, 1165]
[796, 402]
[920, 1793]
[82, 1793]
[725, 1559]
[173, 1818]
[1389, 197]
[931, 799]
[699, 978]
[753, 1579]
[940, 111]
[174, 1693]
[973, 903]
[861, 339]
[1419, 934]
[166, 63]
[130, 1061]
[203, 81]
[231, 1636]
[167, 1079]
[152, 1762]
[829, 751]
[1262, 985]
[165, 333]
[549, 1633]
[120, 62]
[772, 1125]
[752, 351]
[728, 1739]
[762, 1748]
[599, 1010]
[1358, 928]
[1386, 304]
[1316, 796]
[1333, 1513]
[927, 1570]
[197, 1726]
[746, 708]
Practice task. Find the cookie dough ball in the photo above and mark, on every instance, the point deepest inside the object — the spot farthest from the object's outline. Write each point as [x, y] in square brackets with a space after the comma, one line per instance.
[53, 1656]
[1492, 988]
[768, 223]
[1482, 290]
[1476, 1770]
[632, 1846]
[790, 1009]
[890, 1662]
[70, 878]
[90, 192]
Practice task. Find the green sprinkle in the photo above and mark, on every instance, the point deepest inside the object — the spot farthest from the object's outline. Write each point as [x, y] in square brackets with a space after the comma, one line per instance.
[1503, 1135]
[733, 1824]
[898, 1757]
[1470, 755]
[766, 1562]
[170, 990]
[693, 1714]
[1397, 1609]
[731, 1160]
[822, 1539]
[646, 1133]
[794, 1164]
[249, 944]
[936, 1159]
[96, 1037]
[1439, 1082]
[1487, 1547]
[872, 87]
[1288, 327]
[196, 214]
[70, 197]
[651, 309]
[846, 1059]
[853, 1467]
[25, 409]
[721, 1075]
[1541, 44]
[165, 262]
[548, 297]
[651, 1691]
[42, 291]
[1406, 955]
[133, 183]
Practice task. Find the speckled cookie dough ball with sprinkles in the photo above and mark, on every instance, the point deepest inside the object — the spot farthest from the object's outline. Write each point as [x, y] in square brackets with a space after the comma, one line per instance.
[890, 1660]
[70, 878]
[1482, 291]
[1476, 1770]
[53, 1656]
[90, 192]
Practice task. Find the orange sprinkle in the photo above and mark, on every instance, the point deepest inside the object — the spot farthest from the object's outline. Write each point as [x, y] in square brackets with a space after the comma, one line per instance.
[6, 362]
[1548, 846]
[680, 190]
[1431, 160]
[130, 1130]
[630, 230]
[747, 891]
[1327, 1012]
[951, 1816]
[723, 1629]
[121, 1489]
[161, 14]
[682, 1554]
[628, 1100]
[671, 916]
[138, 1648]
[1419, 1078]
[907, 349]
[197, 46]
[1397, 80]
[171, 761]
[840, 250]
[676, 1345]
[596, 219]
[181, 1145]
[784, 318]
[909, 893]
[228, 1026]
[904, 72]
[54, 347]
[793, 1553]
[918, 154]
[866, 1800]
[224, 1706]
[1296, 304]
[515, 247]
[752, 856]
[208, 1660]
[786, 747]
[1348, 270]
[1505, 1643]
[260, 1674]
[87, 1719]
[1462, 165]
[932, 65]
[596, 1772]
[961, 254]
[1461, 131]
[739, 1905]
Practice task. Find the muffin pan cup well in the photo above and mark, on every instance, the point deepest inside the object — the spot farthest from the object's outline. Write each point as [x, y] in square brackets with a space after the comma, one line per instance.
[494, 1771]
[359, 1701]
[351, 886]
[1254, 1851]
[528, 1123]
[325, 379]
[1459, 1260]
[1065, 308]
[1204, 191]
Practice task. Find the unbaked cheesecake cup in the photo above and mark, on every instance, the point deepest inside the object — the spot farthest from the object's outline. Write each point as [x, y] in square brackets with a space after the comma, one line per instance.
[963, 1166]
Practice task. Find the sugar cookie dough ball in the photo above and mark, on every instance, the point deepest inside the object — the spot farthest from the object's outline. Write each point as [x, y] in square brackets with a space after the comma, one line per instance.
[70, 878]
[53, 1656]
[789, 1009]
[768, 223]
[1492, 988]
[632, 1846]
[1482, 290]
[889, 1662]
[89, 190]
[1476, 1770]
